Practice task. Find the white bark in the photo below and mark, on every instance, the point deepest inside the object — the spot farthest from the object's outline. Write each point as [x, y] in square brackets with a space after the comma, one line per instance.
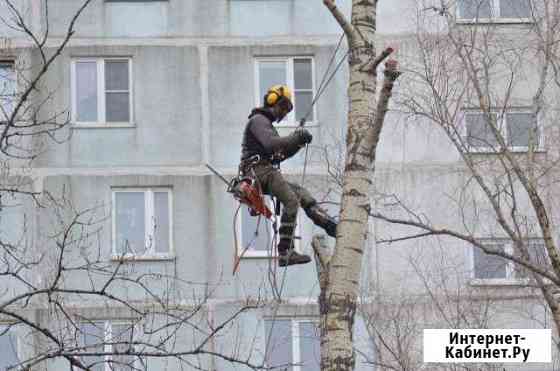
[365, 119]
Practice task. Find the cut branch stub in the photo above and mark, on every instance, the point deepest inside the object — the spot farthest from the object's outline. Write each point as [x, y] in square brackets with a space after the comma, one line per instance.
[392, 69]
[380, 58]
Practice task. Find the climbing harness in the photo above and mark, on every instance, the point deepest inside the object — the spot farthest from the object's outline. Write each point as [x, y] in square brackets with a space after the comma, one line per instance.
[246, 190]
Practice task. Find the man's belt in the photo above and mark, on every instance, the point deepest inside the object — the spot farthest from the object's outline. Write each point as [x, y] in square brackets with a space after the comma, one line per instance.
[256, 160]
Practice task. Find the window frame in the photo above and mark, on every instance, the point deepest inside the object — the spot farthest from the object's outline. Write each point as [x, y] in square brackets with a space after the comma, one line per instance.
[295, 337]
[251, 253]
[11, 62]
[495, 10]
[503, 126]
[149, 207]
[290, 120]
[510, 278]
[101, 93]
[108, 339]
[12, 328]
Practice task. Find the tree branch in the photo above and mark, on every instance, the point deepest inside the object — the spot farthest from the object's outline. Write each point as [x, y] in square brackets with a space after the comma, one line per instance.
[349, 30]
[473, 241]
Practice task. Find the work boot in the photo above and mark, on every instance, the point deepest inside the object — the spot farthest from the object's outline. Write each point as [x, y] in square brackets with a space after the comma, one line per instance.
[287, 255]
[322, 219]
[292, 257]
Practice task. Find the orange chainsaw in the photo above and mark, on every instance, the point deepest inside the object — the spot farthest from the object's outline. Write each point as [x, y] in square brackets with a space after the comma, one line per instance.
[246, 191]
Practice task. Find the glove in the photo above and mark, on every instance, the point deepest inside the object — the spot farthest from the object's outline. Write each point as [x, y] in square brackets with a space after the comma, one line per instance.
[303, 136]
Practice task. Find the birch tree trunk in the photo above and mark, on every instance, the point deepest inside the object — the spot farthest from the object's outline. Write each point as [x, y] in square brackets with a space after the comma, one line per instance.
[338, 299]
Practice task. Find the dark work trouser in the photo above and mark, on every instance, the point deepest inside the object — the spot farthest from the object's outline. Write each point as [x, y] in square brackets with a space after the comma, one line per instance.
[290, 195]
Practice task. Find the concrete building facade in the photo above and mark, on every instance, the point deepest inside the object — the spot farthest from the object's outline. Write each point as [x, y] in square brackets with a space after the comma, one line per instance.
[157, 89]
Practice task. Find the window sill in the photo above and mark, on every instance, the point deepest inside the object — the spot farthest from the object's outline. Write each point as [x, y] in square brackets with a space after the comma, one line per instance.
[482, 282]
[150, 257]
[309, 124]
[491, 151]
[261, 255]
[256, 255]
[102, 125]
[485, 21]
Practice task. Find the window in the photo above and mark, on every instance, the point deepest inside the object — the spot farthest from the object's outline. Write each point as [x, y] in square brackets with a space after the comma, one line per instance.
[101, 91]
[279, 13]
[519, 128]
[8, 348]
[296, 342]
[151, 18]
[295, 72]
[490, 266]
[257, 233]
[7, 89]
[142, 222]
[504, 10]
[107, 337]
[495, 269]
[12, 221]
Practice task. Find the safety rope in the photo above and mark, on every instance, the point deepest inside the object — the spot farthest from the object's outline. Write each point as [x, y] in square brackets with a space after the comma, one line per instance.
[322, 87]
[324, 81]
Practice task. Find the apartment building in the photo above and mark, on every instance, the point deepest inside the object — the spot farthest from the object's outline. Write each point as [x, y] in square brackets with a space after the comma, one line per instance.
[155, 90]
[442, 165]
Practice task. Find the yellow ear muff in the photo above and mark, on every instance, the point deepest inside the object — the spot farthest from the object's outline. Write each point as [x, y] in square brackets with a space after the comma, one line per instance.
[272, 97]
[277, 92]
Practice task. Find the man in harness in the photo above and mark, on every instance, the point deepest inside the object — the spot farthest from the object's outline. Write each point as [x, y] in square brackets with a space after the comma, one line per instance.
[262, 151]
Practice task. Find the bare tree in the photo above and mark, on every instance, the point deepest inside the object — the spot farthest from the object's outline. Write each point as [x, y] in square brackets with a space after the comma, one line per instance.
[366, 113]
[468, 79]
[396, 320]
[54, 275]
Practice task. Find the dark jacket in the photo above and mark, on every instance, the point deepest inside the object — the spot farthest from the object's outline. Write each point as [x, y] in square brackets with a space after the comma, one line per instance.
[261, 138]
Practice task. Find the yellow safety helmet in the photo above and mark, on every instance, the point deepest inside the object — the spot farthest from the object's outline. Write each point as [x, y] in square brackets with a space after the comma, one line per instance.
[276, 93]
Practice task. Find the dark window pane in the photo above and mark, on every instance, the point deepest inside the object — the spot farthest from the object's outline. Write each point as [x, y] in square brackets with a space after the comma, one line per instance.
[489, 266]
[255, 231]
[303, 104]
[161, 201]
[118, 107]
[270, 74]
[479, 133]
[92, 336]
[515, 8]
[474, 9]
[130, 223]
[279, 343]
[122, 333]
[519, 132]
[8, 348]
[116, 75]
[537, 255]
[86, 91]
[310, 346]
[302, 74]
[7, 89]
[12, 222]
